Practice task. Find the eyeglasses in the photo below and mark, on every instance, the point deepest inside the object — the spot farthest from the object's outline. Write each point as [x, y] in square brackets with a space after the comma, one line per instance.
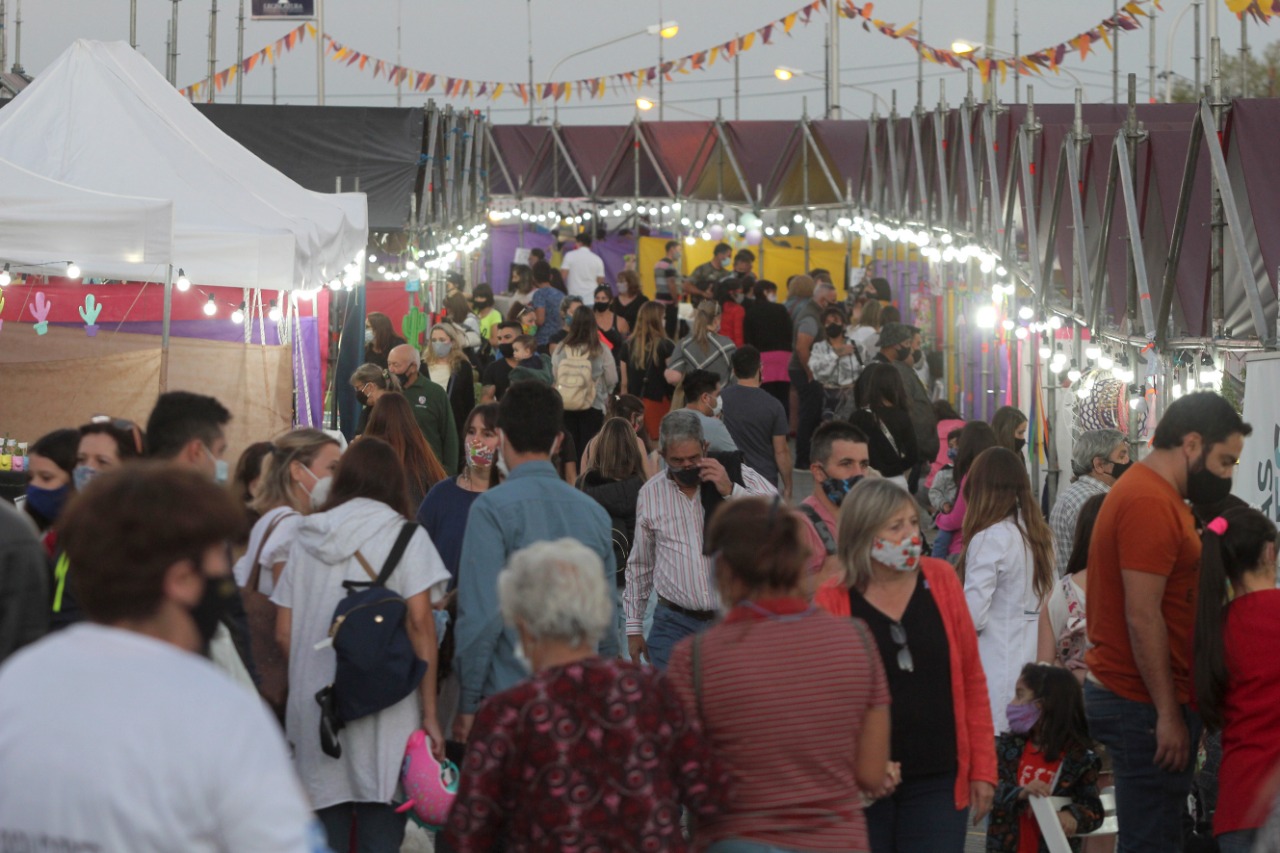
[899, 635]
[122, 425]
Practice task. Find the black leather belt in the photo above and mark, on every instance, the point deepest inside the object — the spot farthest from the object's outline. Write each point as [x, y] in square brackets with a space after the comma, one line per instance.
[700, 615]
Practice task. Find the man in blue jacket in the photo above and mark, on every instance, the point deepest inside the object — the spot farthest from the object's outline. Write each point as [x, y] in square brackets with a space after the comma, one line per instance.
[532, 505]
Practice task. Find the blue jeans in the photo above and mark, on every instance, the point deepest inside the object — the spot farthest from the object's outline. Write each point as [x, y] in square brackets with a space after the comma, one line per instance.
[1151, 803]
[920, 817]
[942, 543]
[378, 829]
[739, 845]
[1240, 841]
[669, 628]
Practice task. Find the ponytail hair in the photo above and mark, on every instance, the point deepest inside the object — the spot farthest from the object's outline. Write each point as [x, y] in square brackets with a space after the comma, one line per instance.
[1232, 546]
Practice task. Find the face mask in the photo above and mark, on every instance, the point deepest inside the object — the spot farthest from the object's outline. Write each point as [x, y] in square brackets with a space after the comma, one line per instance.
[47, 503]
[904, 353]
[739, 298]
[441, 348]
[771, 296]
[1205, 487]
[836, 490]
[1118, 468]
[479, 456]
[718, 407]
[1019, 444]
[81, 475]
[1022, 718]
[507, 350]
[834, 330]
[319, 492]
[902, 557]
[530, 330]
[917, 356]
[952, 453]
[403, 378]
[601, 307]
[221, 468]
[501, 460]
[362, 398]
[368, 336]
[517, 652]
[687, 477]
[213, 603]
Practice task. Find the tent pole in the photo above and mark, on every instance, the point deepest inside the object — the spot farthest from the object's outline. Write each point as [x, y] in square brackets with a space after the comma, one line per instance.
[164, 331]
[213, 49]
[320, 52]
[240, 55]
[1177, 233]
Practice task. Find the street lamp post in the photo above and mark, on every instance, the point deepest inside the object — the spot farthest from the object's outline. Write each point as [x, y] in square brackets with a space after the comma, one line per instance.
[785, 73]
[666, 29]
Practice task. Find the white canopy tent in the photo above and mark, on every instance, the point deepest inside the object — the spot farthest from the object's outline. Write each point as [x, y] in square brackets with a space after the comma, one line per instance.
[43, 221]
[102, 118]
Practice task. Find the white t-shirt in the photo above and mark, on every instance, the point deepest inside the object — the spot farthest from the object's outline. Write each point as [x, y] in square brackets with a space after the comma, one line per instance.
[582, 269]
[276, 550]
[322, 557]
[113, 741]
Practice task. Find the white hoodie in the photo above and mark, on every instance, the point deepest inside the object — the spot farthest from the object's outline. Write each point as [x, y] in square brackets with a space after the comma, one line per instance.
[321, 558]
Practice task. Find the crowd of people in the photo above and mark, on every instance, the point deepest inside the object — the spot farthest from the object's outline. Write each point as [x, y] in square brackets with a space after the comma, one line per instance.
[573, 557]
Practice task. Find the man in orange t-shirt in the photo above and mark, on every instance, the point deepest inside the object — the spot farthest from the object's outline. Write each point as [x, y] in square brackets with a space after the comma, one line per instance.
[1144, 566]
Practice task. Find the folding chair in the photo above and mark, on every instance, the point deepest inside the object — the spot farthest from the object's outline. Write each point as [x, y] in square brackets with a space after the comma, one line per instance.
[1046, 811]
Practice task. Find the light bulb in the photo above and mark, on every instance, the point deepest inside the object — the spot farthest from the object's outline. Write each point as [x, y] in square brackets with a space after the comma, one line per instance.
[1026, 312]
[5, 278]
[1106, 362]
[1055, 322]
[274, 314]
[1020, 333]
[1176, 392]
[1045, 352]
[210, 308]
[373, 258]
[986, 317]
[1056, 367]
[1074, 374]
[183, 283]
[73, 271]
[1093, 353]
[782, 73]
[644, 104]
[797, 219]
[1083, 393]
[1001, 271]
[1007, 325]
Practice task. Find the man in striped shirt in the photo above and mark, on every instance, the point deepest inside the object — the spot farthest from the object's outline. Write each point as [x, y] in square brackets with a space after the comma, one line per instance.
[667, 555]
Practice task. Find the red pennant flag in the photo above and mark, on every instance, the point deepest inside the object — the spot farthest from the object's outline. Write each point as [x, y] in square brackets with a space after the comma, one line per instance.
[766, 33]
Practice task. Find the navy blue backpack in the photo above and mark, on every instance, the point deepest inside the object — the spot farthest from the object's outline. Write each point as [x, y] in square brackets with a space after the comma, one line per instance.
[377, 665]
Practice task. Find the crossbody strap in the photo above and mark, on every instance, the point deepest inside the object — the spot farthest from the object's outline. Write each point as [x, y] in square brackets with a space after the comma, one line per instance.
[824, 532]
[393, 559]
[256, 571]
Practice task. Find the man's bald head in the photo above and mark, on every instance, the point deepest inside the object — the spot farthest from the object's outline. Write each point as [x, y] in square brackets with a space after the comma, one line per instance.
[403, 361]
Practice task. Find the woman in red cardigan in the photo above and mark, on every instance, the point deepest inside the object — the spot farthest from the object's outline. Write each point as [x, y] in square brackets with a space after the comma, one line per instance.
[942, 735]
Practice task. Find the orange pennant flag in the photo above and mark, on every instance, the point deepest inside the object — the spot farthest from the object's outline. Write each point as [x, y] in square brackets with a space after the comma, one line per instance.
[788, 22]
[497, 90]
[1004, 70]
[984, 70]
[748, 40]
[1106, 39]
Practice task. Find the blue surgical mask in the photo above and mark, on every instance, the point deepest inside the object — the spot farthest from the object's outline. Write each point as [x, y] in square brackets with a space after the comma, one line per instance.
[81, 475]
[221, 468]
[952, 453]
[47, 503]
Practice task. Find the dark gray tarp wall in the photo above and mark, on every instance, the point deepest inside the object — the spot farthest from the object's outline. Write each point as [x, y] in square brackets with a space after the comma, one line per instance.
[380, 146]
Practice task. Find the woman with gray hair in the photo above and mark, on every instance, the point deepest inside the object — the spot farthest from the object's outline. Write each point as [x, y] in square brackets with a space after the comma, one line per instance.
[942, 737]
[588, 753]
[1098, 459]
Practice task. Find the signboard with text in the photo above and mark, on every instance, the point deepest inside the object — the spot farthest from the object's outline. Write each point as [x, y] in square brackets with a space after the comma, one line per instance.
[291, 10]
[1257, 478]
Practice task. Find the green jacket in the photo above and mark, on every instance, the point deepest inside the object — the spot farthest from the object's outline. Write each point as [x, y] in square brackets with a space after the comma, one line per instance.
[434, 415]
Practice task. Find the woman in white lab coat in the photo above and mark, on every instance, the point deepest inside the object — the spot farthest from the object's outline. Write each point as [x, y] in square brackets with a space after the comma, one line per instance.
[1007, 568]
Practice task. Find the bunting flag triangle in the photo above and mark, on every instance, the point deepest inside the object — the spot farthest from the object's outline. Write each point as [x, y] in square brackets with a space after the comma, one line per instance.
[1102, 32]
[497, 91]
[788, 22]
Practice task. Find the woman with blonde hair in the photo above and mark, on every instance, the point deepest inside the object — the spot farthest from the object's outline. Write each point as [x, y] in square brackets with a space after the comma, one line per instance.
[866, 334]
[371, 383]
[705, 348]
[648, 352]
[1007, 569]
[447, 365]
[392, 421]
[294, 481]
[942, 740]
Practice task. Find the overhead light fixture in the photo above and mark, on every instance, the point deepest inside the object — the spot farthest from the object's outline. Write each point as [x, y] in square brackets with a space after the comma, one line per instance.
[274, 314]
[5, 278]
[73, 271]
[666, 29]
[644, 104]
[962, 47]
[784, 73]
[210, 307]
[183, 283]
[237, 316]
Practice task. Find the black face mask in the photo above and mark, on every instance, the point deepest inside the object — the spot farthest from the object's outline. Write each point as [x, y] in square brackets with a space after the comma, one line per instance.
[917, 356]
[1205, 488]
[403, 378]
[1018, 444]
[1118, 468]
[904, 353]
[686, 476]
[362, 398]
[213, 603]
[507, 350]
[834, 330]
[600, 307]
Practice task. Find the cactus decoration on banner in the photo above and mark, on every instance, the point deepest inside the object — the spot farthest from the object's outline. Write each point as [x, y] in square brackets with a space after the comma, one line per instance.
[414, 325]
[89, 313]
[40, 310]
[1, 309]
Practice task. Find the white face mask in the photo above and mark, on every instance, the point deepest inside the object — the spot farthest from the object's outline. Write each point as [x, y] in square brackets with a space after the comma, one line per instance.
[441, 348]
[501, 461]
[517, 651]
[318, 493]
[903, 556]
[718, 407]
[221, 468]
[368, 336]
